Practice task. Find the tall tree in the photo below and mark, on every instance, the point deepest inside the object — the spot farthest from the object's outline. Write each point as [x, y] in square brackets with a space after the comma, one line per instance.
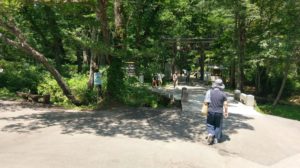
[240, 38]
[101, 12]
[292, 34]
[118, 11]
[43, 22]
[21, 43]
[16, 39]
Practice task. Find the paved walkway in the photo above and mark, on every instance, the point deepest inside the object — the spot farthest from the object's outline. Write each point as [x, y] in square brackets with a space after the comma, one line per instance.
[196, 97]
[263, 139]
[39, 137]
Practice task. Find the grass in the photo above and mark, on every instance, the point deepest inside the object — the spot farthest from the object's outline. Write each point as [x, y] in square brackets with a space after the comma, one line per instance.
[286, 111]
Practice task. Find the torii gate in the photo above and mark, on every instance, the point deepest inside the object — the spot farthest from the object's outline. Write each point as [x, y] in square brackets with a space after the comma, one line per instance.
[200, 44]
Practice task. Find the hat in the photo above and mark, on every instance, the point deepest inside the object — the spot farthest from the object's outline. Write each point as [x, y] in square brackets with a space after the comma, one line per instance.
[218, 83]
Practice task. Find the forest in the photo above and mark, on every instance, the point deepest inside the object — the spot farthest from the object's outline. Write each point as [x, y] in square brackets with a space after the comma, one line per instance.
[53, 46]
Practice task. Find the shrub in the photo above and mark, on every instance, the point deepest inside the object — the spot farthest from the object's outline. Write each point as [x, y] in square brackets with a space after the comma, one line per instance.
[275, 84]
[78, 85]
[6, 94]
[50, 86]
[136, 94]
[18, 76]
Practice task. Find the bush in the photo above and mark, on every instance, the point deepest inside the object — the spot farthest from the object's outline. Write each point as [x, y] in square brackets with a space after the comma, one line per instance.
[275, 83]
[6, 94]
[18, 76]
[136, 94]
[78, 85]
[50, 86]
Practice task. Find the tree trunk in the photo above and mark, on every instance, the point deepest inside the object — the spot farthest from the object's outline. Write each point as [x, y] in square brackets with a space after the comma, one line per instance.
[93, 62]
[232, 74]
[202, 61]
[242, 53]
[173, 58]
[258, 81]
[240, 32]
[91, 72]
[101, 12]
[138, 13]
[259, 72]
[79, 60]
[285, 74]
[115, 73]
[236, 43]
[118, 21]
[85, 56]
[37, 56]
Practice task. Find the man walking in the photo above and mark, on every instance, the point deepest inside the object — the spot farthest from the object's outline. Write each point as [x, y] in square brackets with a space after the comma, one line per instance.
[216, 100]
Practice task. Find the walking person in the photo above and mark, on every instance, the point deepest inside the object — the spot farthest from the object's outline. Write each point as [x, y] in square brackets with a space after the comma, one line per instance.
[175, 79]
[187, 79]
[98, 82]
[216, 100]
[159, 79]
[154, 80]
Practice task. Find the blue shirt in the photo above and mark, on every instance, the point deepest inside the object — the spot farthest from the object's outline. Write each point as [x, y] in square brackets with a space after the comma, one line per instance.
[215, 99]
[97, 78]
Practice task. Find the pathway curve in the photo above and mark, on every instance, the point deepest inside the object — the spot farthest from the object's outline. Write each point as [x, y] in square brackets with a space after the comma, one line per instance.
[40, 137]
[264, 139]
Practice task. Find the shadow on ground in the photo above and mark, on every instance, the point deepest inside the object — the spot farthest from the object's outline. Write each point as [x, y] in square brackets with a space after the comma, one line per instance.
[146, 123]
[15, 106]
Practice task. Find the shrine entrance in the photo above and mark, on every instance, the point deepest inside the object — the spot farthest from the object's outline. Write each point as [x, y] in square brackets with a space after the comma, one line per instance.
[181, 44]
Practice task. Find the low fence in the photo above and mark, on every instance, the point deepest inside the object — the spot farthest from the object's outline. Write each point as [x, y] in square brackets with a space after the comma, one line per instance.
[248, 100]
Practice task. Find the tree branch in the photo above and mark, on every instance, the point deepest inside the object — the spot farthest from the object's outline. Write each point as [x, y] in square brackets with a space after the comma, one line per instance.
[9, 41]
[12, 28]
[23, 45]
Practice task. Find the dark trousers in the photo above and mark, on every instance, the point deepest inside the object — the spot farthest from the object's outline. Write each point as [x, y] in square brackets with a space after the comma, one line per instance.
[99, 91]
[214, 124]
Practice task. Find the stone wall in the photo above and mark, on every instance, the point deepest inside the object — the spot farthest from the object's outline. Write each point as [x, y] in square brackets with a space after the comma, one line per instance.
[248, 100]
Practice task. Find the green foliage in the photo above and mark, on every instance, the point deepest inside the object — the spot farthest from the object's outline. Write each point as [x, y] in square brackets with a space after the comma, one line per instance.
[136, 94]
[7, 94]
[115, 77]
[62, 31]
[150, 71]
[286, 111]
[18, 76]
[78, 85]
[297, 87]
[50, 86]
[272, 86]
